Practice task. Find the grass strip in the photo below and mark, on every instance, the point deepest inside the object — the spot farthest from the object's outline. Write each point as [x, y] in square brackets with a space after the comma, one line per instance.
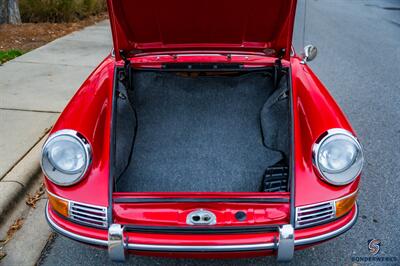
[9, 55]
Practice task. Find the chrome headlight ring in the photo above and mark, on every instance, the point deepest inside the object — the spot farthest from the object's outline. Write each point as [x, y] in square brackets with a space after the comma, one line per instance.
[347, 173]
[79, 150]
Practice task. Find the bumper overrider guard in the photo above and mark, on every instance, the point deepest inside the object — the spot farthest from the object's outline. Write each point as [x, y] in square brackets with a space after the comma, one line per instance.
[285, 245]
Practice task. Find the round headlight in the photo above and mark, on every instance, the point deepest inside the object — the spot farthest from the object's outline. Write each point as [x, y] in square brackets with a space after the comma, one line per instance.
[338, 157]
[66, 156]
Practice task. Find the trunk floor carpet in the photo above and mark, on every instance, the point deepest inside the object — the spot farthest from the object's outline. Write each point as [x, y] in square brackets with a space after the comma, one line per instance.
[198, 134]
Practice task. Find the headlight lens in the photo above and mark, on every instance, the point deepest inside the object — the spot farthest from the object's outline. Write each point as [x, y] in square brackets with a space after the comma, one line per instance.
[337, 154]
[66, 156]
[338, 157]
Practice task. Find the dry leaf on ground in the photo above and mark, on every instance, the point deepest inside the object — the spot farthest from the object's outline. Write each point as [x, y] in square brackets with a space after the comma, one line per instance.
[13, 228]
[31, 200]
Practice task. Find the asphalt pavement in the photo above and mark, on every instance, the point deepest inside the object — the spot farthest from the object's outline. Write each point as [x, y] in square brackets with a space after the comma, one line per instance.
[358, 60]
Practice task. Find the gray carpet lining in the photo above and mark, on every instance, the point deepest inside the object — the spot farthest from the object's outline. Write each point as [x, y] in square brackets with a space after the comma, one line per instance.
[198, 133]
[275, 119]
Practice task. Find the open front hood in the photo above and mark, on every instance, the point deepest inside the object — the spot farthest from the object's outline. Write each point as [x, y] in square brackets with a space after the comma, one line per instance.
[219, 25]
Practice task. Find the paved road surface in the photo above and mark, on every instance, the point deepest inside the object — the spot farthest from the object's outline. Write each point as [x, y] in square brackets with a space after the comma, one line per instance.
[359, 55]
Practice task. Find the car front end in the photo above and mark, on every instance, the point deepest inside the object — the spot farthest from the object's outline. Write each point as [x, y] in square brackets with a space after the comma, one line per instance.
[204, 145]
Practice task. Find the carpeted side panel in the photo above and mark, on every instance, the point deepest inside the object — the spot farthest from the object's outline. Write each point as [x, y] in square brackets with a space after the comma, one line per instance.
[198, 133]
[124, 124]
[275, 120]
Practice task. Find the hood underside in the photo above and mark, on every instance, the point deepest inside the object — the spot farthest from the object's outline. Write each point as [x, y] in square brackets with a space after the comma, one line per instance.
[178, 25]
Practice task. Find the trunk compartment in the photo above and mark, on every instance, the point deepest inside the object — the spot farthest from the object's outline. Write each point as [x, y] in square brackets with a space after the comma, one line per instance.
[195, 132]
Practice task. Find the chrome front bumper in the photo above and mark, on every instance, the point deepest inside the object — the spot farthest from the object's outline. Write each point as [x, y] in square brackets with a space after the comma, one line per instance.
[118, 243]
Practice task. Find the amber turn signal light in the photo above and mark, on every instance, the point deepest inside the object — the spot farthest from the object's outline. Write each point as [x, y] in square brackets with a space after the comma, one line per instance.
[344, 205]
[59, 205]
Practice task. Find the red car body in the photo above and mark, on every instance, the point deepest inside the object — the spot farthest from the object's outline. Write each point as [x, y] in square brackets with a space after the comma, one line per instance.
[156, 221]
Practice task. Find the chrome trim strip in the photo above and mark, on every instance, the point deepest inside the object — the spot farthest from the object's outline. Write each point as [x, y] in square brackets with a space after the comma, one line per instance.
[54, 195]
[314, 207]
[328, 202]
[222, 248]
[81, 209]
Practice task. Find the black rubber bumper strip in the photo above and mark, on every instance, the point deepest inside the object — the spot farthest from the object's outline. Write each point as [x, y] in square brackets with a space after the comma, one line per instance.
[172, 200]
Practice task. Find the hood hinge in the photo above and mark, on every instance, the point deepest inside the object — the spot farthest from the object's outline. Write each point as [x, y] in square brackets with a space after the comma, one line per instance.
[126, 77]
[278, 68]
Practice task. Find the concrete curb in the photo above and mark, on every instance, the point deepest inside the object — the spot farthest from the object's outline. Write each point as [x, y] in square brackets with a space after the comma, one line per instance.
[17, 181]
[31, 239]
